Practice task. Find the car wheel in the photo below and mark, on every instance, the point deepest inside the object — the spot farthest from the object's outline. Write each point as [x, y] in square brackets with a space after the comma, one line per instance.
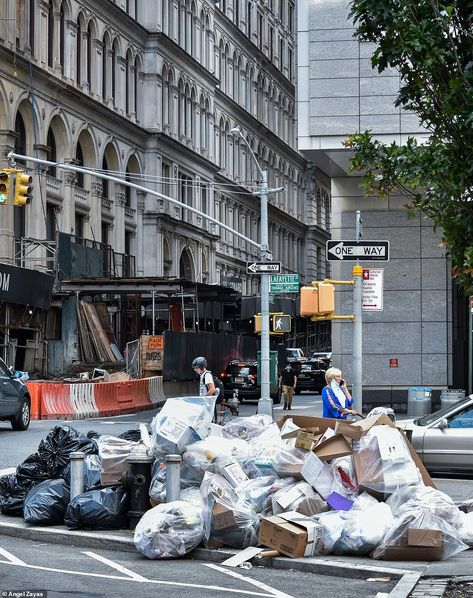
[21, 421]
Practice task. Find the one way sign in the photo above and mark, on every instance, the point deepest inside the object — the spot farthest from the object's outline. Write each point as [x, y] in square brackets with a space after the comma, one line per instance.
[358, 250]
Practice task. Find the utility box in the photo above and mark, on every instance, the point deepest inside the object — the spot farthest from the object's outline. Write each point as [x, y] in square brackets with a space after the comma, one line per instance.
[273, 367]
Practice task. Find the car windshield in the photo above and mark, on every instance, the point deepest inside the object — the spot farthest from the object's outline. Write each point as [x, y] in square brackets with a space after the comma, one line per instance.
[432, 417]
[239, 369]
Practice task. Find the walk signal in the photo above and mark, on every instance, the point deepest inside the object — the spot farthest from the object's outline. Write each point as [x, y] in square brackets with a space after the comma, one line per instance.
[4, 187]
[23, 189]
[281, 323]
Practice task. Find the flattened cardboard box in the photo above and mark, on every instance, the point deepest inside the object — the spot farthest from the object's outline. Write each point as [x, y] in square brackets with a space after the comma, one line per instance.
[290, 533]
[333, 448]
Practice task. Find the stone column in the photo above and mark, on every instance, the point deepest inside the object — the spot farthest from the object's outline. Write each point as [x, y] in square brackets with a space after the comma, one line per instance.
[67, 215]
[96, 210]
[97, 54]
[119, 214]
[42, 30]
[140, 208]
[120, 87]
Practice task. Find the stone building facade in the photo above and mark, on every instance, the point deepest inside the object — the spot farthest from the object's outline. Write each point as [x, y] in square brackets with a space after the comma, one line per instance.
[150, 91]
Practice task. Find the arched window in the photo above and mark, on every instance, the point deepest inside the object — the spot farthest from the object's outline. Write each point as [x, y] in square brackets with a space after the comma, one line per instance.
[114, 73]
[52, 153]
[51, 34]
[62, 36]
[89, 56]
[105, 185]
[79, 53]
[79, 162]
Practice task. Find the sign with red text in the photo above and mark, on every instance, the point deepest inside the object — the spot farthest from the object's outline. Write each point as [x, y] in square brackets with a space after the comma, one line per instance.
[373, 287]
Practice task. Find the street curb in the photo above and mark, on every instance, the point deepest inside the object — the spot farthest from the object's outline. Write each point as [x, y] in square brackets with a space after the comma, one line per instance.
[319, 565]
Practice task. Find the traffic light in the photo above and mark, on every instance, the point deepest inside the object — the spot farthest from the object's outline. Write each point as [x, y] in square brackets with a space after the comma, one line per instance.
[23, 189]
[4, 187]
[258, 324]
[318, 300]
[281, 323]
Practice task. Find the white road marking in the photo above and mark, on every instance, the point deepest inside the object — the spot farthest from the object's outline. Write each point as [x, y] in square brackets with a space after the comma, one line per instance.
[259, 584]
[17, 563]
[12, 559]
[7, 471]
[121, 568]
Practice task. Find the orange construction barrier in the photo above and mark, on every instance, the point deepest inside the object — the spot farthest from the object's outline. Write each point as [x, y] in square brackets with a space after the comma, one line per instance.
[34, 389]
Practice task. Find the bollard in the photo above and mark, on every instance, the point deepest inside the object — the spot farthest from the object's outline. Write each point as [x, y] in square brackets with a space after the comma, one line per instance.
[173, 477]
[77, 474]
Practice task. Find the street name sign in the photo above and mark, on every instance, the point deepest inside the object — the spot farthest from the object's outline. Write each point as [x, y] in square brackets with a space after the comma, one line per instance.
[358, 250]
[263, 267]
[284, 283]
[372, 294]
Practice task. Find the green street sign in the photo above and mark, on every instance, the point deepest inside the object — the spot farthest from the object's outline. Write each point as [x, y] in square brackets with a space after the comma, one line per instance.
[284, 283]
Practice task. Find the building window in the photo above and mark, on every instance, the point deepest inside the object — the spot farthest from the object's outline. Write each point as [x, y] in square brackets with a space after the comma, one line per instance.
[166, 179]
[271, 43]
[50, 222]
[114, 74]
[78, 53]
[89, 56]
[290, 55]
[32, 26]
[104, 69]
[79, 227]
[291, 18]
[52, 156]
[260, 30]
[62, 37]
[51, 34]
[248, 19]
[79, 162]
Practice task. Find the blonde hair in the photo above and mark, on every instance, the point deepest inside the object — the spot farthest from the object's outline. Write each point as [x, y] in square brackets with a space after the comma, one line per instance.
[331, 373]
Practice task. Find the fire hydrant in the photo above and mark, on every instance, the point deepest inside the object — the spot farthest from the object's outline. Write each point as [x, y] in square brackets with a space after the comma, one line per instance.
[138, 481]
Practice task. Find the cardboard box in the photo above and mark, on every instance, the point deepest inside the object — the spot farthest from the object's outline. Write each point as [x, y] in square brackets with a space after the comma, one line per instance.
[306, 422]
[222, 517]
[234, 474]
[291, 534]
[304, 440]
[416, 545]
[333, 448]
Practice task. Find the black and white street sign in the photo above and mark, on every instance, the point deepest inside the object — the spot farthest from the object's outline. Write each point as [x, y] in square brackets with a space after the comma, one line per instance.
[358, 250]
[263, 267]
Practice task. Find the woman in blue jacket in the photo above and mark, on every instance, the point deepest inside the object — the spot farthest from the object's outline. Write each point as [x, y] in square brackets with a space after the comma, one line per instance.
[336, 398]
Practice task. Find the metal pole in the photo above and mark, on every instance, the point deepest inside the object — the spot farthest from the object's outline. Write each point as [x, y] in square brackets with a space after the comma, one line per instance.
[470, 345]
[77, 473]
[153, 327]
[265, 404]
[173, 477]
[357, 326]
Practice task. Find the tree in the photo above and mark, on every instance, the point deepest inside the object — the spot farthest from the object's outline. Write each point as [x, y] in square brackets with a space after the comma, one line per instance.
[430, 43]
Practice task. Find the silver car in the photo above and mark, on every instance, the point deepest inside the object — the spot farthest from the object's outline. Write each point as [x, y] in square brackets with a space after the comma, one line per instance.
[444, 439]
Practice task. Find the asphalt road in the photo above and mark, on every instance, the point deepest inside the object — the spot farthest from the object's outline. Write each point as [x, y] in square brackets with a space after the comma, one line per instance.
[70, 571]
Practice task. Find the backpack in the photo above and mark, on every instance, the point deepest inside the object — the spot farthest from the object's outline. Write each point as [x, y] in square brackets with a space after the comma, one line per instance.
[218, 384]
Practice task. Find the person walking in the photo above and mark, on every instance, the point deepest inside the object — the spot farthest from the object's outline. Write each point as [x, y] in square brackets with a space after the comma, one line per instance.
[207, 387]
[288, 383]
[336, 398]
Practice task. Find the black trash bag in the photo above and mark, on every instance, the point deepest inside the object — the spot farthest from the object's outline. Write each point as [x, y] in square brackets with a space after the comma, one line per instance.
[99, 509]
[134, 435]
[46, 503]
[65, 474]
[92, 434]
[12, 495]
[56, 448]
[32, 471]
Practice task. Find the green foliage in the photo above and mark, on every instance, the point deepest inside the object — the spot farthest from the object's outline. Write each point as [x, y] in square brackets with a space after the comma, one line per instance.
[430, 43]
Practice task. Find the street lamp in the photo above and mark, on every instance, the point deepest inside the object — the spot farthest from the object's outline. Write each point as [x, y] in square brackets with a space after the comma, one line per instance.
[265, 404]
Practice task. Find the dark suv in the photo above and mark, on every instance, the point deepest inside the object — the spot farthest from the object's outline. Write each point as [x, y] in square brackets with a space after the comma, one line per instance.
[15, 401]
[243, 376]
[311, 376]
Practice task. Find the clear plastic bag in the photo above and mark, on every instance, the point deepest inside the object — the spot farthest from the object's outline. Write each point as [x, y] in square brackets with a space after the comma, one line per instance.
[114, 453]
[441, 505]
[420, 535]
[226, 519]
[246, 428]
[258, 492]
[290, 497]
[466, 529]
[181, 422]
[169, 530]
[333, 525]
[383, 462]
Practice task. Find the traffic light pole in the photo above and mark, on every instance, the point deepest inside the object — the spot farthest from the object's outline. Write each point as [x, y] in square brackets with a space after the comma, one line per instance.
[357, 326]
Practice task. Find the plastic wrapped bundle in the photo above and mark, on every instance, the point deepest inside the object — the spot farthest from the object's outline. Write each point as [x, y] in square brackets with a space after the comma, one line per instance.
[169, 530]
[291, 497]
[383, 462]
[226, 519]
[114, 453]
[12, 495]
[420, 535]
[258, 492]
[98, 509]
[46, 503]
[246, 428]
[181, 422]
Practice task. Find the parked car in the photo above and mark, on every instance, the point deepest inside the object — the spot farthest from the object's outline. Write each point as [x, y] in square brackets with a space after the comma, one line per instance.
[295, 354]
[444, 439]
[325, 356]
[243, 376]
[311, 376]
[15, 401]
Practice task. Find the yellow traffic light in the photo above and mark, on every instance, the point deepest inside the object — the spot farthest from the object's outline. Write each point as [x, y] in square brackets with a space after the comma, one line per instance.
[309, 301]
[317, 300]
[23, 189]
[257, 323]
[4, 187]
[326, 298]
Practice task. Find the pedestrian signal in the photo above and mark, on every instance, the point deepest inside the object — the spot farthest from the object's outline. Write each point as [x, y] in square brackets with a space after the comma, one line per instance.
[282, 323]
[23, 189]
[4, 187]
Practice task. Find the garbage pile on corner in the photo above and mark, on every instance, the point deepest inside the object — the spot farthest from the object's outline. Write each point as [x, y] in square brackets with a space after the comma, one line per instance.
[303, 486]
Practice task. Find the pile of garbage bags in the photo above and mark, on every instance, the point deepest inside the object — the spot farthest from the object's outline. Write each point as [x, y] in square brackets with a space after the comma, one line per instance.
[301, 486]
